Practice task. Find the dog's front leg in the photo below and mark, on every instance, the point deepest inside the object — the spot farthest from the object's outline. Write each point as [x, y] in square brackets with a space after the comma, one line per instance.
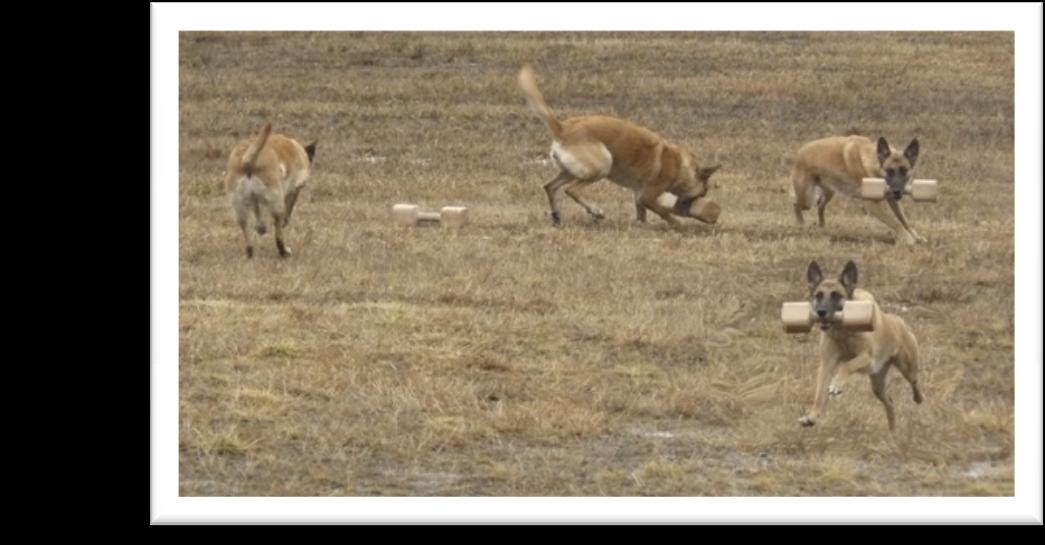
[858, 364]
[903, 219]
[648, 199]
[291, 199]
[640, 209]
[828, 367]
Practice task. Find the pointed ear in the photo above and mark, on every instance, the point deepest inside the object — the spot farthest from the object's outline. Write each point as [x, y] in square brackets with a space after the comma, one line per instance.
[848, 278]
[706, 172]
[311, 151]
[911, 153]
[814, 276]
[883, 149]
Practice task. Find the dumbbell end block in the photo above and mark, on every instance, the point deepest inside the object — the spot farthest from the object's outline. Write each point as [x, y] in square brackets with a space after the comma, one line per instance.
[701, 209]
[873, 189]
[924, 190]
[454, 216]
[858, 316]
[797, 317]
[405, 214]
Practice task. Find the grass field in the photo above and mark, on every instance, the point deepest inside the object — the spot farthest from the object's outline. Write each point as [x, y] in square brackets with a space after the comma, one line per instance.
[514, 358]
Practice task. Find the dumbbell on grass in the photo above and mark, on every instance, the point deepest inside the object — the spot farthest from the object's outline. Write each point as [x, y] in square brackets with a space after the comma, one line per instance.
[702, 209]
[411, 214]
[875, 189]
[854, 316]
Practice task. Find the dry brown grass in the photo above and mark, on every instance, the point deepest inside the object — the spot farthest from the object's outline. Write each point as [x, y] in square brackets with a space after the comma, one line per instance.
[514, 358]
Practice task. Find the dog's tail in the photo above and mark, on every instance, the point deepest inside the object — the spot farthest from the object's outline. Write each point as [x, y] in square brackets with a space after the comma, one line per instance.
[528, 82]
[254, 149]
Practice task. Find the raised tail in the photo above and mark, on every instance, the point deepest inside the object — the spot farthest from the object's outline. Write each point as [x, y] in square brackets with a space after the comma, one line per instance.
[528, 82]
[254, 149]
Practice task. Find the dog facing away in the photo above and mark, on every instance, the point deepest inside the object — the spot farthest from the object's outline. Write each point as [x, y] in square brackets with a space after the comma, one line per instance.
[890, 344]
[267, 171]
[839, 164]
[589, 148]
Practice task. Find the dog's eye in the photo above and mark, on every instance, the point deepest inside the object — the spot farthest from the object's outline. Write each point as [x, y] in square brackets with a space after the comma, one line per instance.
[819, 296]
[888, 172]
[903, 171]
[836, 296]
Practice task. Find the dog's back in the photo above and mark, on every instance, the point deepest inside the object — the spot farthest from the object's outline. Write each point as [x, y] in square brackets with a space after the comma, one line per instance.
[840, 162]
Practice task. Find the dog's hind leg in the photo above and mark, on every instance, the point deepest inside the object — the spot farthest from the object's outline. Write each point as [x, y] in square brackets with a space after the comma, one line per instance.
[259, 220]
[878, 387]
[242, 213]
[907, 363]
[552, 189]
[878, 209]
[802, 189]
[572, 191]
[277, 205]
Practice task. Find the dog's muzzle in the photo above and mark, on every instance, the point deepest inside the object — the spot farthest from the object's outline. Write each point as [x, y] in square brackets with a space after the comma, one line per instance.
[897, 195]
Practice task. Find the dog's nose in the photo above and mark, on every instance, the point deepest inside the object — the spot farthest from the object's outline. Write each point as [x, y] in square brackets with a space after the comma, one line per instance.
[897, 195]
[821, 313]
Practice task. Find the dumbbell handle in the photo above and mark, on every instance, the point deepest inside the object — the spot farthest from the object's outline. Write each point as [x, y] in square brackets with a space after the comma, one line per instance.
[428, 216]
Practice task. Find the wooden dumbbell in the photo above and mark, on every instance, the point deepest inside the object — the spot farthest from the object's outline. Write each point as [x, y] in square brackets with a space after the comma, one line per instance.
[920, 190]
[702, 209]
[411, 215]
[855, 316]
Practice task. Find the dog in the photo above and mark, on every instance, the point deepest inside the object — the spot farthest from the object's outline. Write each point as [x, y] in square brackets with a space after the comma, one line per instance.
[890, 344]
[839, 164]
[589, 148]
[268, 171]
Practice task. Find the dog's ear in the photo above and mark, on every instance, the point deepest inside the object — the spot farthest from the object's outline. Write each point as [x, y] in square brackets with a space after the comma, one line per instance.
[814, 276]
[311, 151]
[848, 278]
[706, 172]
[883, 149]
[911, 153]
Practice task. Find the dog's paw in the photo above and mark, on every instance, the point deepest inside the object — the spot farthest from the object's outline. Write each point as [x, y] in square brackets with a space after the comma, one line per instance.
[807, 421]
[834, 390]
[261, 228]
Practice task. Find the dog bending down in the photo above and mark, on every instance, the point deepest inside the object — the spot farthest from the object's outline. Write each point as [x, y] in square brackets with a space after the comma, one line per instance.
[589, 148]
[267, 171]
[839, 165]
[890, 344]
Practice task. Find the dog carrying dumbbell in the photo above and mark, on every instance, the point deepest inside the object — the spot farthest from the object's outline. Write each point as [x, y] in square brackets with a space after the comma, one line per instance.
[856, 336]
[704, 210]
[411, 215]
[875, 189]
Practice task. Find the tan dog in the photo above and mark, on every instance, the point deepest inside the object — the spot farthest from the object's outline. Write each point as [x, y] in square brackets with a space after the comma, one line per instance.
[589, 148]
[890, 344]
[839, 164]
[268, 170]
